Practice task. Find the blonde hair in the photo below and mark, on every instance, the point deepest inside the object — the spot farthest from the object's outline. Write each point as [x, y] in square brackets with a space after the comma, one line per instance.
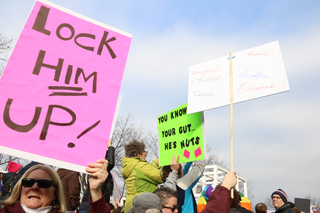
[58, 203]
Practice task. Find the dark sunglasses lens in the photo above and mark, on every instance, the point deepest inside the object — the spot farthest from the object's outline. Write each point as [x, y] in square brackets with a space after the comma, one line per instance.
[44, 183]
[41, 183]
[28, 182]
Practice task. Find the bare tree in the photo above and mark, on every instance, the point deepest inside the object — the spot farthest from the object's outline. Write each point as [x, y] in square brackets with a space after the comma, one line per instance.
[213, 159]
[314, 201]
[125, 131]
[5, 45]
[268, 202]
[4, 160]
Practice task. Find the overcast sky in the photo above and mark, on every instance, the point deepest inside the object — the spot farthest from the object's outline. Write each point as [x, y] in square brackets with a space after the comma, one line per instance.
[276, 138]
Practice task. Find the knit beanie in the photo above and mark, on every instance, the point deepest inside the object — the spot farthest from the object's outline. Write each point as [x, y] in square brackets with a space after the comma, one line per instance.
[282, 194]
[13, 166]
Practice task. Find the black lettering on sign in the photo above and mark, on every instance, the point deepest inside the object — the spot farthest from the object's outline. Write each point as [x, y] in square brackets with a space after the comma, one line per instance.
[170, 145]
[179, 113]
[182, 144]
[185, 129]
[72, 32]
[105, 42]
[41, 20]
[94, 82]
[163, 118]
[40, 26]
[39, 64]
[169, 132]
[197, 140]
[48, 121]
[17, 127]
[84, 35]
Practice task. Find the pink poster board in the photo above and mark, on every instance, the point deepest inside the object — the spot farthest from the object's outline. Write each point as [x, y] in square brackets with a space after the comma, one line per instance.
[60, 88]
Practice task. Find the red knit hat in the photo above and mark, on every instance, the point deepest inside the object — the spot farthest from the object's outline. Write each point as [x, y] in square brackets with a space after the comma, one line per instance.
[13, 166]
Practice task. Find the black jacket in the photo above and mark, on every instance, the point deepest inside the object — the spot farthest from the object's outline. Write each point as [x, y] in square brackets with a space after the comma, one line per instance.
[286, 208]
[7, 181]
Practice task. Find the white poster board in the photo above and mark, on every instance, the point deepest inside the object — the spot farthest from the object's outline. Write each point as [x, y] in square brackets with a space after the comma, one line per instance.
[257, 72]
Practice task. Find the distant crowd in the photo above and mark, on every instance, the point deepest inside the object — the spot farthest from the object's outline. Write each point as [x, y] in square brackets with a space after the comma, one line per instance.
[37, 188]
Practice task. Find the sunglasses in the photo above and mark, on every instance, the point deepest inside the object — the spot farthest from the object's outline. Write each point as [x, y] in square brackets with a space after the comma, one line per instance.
[29, 182]
[172, 208]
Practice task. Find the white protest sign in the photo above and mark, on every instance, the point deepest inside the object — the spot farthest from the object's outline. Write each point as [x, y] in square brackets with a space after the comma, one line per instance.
[257, 72]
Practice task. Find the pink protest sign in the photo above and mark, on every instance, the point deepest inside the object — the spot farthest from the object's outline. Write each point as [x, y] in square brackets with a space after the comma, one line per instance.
[60, 88]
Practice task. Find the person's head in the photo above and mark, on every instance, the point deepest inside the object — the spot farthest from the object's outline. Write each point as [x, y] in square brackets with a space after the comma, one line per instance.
[14, 167]
[169, 199]
[146, 203]
[279, 198]
[166, 171]
[38, 187]
[136, 149]
[261, 208]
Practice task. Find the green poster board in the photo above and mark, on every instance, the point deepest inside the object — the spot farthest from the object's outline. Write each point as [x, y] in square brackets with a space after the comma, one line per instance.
[181, 134]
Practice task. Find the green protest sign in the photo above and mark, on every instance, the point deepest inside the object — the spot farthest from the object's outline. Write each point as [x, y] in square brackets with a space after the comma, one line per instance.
[181, 134]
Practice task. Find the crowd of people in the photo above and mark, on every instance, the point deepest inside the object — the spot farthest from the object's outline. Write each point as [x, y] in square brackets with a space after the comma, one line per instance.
[37, 188]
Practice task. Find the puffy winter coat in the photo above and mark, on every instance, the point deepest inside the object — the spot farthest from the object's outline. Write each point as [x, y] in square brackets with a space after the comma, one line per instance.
[140, 177]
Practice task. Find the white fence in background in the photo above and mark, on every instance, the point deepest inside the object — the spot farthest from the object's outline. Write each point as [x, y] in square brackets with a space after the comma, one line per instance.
[213, 175]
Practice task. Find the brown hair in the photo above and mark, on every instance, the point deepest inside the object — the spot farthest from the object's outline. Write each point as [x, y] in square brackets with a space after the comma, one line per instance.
[58, 203]
[235, 200]
[166, 171]
[134, 148]
[261, 208]
[164, 193]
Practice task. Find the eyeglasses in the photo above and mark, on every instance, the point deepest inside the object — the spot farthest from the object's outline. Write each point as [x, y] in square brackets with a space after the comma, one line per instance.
[29, 182]
[274, 197]
[172, 208]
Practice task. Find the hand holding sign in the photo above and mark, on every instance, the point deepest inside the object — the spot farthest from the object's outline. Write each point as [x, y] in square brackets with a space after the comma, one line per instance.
[175, 163]
[181, 134]
[55, 85]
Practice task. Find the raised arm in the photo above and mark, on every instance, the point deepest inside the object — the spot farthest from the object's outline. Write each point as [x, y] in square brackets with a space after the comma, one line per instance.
[220, 200]
[98, 174]
[192, 175]
[171, 180]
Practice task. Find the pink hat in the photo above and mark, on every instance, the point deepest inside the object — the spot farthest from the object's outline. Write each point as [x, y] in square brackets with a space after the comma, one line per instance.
[13, 166]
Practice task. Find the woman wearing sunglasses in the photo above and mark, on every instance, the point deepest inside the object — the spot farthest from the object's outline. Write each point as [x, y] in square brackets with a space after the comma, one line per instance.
[40, 191]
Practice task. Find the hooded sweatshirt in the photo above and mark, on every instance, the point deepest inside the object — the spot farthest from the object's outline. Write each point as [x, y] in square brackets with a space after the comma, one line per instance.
[140, 177]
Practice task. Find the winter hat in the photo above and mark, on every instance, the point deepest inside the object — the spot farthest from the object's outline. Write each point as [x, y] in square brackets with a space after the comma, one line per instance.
[13, 166]
[146, 203]
[282, 194]
[3, 171]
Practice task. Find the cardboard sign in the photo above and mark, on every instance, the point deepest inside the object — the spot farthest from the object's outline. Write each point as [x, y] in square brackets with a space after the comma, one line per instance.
[257, 72]
[181, 134]
[60, 88]
[116, 194]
